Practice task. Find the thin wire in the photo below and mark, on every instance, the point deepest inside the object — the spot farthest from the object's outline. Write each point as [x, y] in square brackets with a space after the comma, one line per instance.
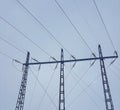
[12, 45]
[67, 76]
[83, 91]
[75, 85]
[85, 20]
[43, 88]
[9, 57]
[78, 32]
[87, 93]
[16, 67]
[46, 90]
[107, 32]
[24, 35]
[94, 92]
[90, 88]
[33, 92]
[44, 27]
[115, 74]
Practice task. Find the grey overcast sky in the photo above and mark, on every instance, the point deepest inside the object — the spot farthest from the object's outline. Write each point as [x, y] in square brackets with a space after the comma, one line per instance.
[20, 32]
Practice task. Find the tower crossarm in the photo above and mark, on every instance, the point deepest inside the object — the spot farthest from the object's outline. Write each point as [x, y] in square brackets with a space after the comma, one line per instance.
[75, 60]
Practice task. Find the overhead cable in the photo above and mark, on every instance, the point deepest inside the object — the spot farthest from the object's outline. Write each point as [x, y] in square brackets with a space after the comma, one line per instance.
[49, 82]
[75, 85]
[32, 94]
[24, 35]
[9, 57]
[75, 28]
[107, 32]
[91, 98]
[11, 44]
[43, 89]
[82, 91]
[44, 27]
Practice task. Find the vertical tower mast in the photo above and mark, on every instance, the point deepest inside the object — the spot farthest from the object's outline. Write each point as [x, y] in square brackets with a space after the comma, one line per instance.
[22, 91]
[61, 86]
[106, 88]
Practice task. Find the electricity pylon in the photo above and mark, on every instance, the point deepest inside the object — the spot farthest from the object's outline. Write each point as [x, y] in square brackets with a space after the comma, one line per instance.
[22, 91]
[61, 86]
[106, 88]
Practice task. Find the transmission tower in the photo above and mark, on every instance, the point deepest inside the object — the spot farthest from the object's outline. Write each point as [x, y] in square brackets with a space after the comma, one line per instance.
[61, 86]
[106, 88]
[22, 91]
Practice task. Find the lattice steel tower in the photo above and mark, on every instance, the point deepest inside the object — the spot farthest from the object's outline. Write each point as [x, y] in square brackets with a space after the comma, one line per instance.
[22, 91]
[61, 86]
[106, 88]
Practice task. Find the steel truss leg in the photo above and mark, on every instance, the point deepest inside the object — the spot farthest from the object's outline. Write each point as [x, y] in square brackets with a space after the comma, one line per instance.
[106, 88]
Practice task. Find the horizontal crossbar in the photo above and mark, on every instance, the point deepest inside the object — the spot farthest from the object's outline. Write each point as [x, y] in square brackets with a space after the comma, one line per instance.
[75, 60]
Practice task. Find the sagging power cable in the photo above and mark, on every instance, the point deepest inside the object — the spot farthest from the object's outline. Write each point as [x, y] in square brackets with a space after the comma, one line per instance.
[75, 28]
[43, 89]
[105, 27]
[24, 35]
[43, 26]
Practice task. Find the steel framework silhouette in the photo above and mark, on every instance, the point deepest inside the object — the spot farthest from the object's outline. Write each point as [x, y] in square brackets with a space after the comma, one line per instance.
[106, 87]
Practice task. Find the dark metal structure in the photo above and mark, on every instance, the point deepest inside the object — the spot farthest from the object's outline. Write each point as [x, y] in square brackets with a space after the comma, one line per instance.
[22, 91]
[61, 86]
[106, 88]
[75, 60]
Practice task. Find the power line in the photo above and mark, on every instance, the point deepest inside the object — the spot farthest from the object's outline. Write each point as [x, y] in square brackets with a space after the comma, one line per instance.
[12, 45]
[24, 35]
[107, 32]
[86, 21]
[43, 88]
[9, 43]
[32, 96]
[115, 72]
[94, 92]
[49, 82]
[83, 91]
[91, 98]
[75, 85]
[4, 54]
[9, 57]
[75, 28]
[44, 27]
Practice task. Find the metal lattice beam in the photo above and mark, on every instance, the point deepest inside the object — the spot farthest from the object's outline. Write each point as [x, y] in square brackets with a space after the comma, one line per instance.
[61, 86]
[75, 60]
[106, 87]
[22, 91]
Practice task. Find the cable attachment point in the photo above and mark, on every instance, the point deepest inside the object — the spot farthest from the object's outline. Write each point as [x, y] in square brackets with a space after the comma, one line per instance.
[74, 62]
[17, 61]
[92, 63]
[15, 66]
[37, 61]
[56, 63]
[116, 54]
